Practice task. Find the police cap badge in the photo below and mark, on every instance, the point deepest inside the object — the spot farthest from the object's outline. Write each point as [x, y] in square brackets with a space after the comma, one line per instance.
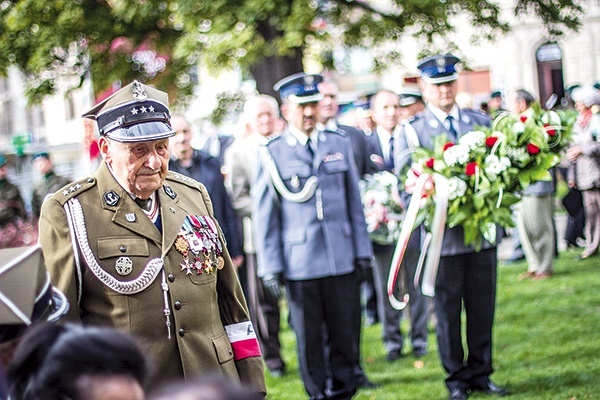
[300, 88]
[439, 68]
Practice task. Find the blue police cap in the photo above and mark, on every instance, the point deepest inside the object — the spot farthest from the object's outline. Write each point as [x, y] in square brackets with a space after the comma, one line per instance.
[409, 94]
[439, 68]
[135, 113]
[495, 94]
[300, 88]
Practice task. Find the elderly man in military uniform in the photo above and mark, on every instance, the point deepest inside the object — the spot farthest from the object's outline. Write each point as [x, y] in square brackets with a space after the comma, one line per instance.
[466, 278]
[49, 183]
[137, 248]
[311, 234]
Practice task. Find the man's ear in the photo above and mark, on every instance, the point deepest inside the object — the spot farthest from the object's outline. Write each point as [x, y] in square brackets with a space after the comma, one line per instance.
[103, 145]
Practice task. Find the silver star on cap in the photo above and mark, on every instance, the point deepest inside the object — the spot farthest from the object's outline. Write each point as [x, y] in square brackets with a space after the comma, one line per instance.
[143, 109]
[134, 111]
[151, 109]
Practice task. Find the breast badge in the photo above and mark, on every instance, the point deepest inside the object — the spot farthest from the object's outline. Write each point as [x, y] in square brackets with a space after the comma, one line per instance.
[199, 244]
[124, 266]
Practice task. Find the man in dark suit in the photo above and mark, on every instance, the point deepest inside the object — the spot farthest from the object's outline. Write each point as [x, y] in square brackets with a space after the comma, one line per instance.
[465, 277]
[311, 233]
[206, 169]
[386, 111]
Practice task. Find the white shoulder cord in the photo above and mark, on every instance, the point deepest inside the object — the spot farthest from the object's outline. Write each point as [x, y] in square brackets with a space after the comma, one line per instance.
[134, 286]
[75, 249]
[273, 176]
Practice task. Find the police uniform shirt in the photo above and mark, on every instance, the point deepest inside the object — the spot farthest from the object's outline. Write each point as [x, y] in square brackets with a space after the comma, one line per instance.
[384, 142]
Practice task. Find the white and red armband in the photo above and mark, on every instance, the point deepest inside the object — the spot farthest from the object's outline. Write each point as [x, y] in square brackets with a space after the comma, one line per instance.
[243, 340]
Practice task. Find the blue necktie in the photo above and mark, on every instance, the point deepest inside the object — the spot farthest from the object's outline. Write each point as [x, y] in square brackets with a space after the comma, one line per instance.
[391, 154]
[453, 133]
[310, 148]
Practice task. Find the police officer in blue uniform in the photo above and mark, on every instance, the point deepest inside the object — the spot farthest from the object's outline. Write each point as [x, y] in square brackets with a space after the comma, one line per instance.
[311, 234]
[465, 277]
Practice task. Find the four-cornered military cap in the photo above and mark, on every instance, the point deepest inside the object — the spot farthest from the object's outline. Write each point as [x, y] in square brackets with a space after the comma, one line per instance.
[42, 154]
[26, 295]
[299, 88]
[496, 94]
[439, 68]
[409, 94]
[135, 113]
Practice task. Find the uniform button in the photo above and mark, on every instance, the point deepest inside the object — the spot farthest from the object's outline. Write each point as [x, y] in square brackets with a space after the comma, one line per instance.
[171, 278]
[181, 332]
[178, 305]
[90, 180]
[122, 249]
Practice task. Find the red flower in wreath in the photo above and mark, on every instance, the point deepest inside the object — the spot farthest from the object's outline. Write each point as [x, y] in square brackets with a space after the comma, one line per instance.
[532, 149]
[471, 168]
[523, 118]
[430, 163]
[448, 145]
[491, 141]
[550, 130]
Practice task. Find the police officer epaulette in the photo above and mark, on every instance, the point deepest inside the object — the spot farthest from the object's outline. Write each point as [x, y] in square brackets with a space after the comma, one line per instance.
[74, 189]
[412, 119]
[475, 111]
[273, 137]
[336, 132]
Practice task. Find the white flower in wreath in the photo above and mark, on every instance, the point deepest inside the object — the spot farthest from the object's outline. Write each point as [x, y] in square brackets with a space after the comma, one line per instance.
[456, 188]
[551, 118]
[518, 127]
[495, 165]
[472, 139]
[458, 154]
[387, 179]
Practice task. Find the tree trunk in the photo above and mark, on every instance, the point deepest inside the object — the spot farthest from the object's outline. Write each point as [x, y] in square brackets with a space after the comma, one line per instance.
[271, 69]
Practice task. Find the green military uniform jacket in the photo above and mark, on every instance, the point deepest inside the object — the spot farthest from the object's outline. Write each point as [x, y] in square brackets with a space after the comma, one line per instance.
[11, 203]
[87, 227]
[49, 184]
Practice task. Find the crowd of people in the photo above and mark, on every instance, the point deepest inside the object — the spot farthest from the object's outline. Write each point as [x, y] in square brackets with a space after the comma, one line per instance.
[173, 261]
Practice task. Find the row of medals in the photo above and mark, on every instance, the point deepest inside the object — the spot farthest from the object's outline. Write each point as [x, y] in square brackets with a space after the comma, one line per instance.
[198, 236]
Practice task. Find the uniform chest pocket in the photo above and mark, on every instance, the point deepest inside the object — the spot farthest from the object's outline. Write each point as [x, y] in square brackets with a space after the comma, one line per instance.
[122, 246]
[294, 169]
[333, 167]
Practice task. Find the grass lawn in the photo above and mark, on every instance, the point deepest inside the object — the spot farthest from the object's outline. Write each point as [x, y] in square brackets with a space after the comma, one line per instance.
[546, 343]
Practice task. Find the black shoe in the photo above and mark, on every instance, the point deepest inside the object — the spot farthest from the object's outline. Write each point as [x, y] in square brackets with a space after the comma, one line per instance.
[393, 355]
[365, 383]
[490, 388]
[419, 352]
[458, 394]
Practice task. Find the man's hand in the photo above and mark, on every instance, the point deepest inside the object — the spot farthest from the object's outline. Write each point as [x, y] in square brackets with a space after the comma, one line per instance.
[363, 266]
[573, 153]
[272, 284]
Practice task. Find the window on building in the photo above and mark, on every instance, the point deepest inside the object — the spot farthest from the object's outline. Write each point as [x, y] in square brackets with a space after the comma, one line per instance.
[69, 107]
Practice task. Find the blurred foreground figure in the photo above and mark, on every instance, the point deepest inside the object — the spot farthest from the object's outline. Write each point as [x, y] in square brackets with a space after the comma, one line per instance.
[205, 388]
[77, 363]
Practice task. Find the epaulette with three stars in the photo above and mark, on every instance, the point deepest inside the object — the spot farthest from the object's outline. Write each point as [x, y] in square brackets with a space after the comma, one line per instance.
[74, 189]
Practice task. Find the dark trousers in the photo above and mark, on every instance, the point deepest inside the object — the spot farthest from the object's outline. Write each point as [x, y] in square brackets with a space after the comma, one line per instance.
[326, 304]
[469, 280]
[266, 316]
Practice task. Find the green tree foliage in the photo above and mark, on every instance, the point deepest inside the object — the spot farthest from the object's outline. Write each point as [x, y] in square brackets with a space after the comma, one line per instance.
[158, 41]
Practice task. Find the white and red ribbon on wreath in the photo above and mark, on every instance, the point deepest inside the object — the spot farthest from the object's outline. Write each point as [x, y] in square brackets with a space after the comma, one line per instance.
[432, 245]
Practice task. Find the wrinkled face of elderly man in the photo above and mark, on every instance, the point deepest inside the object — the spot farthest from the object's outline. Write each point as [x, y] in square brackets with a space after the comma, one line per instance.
[140, 167]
